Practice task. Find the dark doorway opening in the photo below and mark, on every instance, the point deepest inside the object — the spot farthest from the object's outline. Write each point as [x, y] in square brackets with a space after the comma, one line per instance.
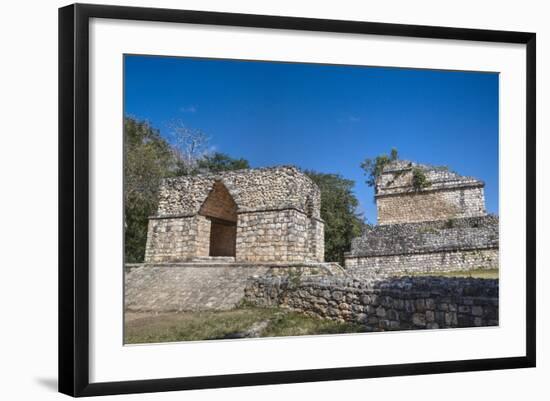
[220, 208]
[223, 237]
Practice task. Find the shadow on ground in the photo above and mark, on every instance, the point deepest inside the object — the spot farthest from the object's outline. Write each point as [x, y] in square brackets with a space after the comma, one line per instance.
[49, 383]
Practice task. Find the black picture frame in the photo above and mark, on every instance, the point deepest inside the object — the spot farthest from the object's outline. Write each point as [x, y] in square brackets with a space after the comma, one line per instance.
[74, 198]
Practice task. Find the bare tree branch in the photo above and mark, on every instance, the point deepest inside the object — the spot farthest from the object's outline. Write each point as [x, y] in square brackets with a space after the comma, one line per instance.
[190, 145]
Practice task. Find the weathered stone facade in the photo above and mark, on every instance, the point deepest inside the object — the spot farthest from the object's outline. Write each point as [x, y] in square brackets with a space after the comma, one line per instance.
[389, 304]
[253, 215]
[257, 235]
[439, 227]
[448, 195]
[430, 262]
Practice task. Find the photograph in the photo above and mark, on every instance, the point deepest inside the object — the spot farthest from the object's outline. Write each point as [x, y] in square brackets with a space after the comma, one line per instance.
[276, 199]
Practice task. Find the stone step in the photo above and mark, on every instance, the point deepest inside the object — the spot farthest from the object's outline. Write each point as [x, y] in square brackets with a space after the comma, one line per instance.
[214, 259]
[163, 288]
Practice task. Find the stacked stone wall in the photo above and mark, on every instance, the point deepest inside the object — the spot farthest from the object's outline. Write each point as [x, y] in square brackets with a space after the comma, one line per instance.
[429, 236]
[172, 239]
[431, 246]
[277, 211]
[429, 205]
[392, 304]
[280, 235]
[204, 285]
[433, 262]
[442, 194]
[316, 236]
[204, 226]
[398, 178]
[165, 288]
[251, 189]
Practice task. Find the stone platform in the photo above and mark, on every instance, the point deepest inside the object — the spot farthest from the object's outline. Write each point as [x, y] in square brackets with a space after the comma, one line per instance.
[204, 284]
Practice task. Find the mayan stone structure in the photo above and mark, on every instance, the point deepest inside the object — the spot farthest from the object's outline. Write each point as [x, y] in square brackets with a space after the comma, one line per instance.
[252, 215]
[448, 195]
[438, 227]
[398, 303]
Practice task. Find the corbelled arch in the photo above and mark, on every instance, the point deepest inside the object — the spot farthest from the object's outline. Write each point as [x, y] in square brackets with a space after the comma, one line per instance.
[219, 203]
[220, 210]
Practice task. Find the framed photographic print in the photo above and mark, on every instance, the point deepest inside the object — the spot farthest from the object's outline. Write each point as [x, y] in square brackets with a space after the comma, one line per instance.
[250, 199]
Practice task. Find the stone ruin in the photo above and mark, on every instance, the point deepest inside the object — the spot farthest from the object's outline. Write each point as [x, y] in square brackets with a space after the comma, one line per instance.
[447, 195]
[439, 227]
[212, 232]
[252, 215]
[256, 235]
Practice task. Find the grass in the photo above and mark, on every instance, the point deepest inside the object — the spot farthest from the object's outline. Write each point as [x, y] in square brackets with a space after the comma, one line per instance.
[477, 273]
[191, 326]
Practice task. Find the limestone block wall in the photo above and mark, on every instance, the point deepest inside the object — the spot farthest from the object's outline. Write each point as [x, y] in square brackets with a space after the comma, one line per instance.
[432, 262]
[429, 236]
[164, 288]
[316, 235]
[392, 304]
[251, 189]
[276, 211]
[279, 235]
[171, 239]
[431, 246]
[274, 236]
[438, 204]
[177, 239]
[397, 178]
[203, 237]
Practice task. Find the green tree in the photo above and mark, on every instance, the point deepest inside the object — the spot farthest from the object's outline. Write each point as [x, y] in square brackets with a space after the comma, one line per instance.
[147, 159]
[374, 167]
[339, 211]
[221, 162]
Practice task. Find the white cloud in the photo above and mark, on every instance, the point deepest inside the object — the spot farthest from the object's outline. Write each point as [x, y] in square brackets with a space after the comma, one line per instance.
[349, 118]
[189, 109]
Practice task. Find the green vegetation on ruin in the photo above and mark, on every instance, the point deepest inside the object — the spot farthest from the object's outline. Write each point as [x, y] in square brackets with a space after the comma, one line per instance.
[419, 179]
[373, 168]
[237, 323]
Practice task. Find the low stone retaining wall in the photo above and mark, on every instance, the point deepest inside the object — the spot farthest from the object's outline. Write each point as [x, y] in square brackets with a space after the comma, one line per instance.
[432, 262]
[203, 285]
[390, 304]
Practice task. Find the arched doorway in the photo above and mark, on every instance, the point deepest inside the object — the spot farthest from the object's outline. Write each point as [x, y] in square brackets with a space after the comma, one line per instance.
[220, 208]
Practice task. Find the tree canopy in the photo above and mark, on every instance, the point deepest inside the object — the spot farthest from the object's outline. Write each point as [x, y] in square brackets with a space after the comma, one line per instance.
[217, 162]
[148, 158]
[339, 211]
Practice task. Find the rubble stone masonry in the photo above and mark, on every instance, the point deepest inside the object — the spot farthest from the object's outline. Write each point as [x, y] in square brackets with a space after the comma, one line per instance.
[275, 214]
[439, 226]
[402, 303]
[446, 195]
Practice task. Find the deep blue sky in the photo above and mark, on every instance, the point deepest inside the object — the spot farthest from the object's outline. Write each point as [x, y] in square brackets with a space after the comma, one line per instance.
[325, 118]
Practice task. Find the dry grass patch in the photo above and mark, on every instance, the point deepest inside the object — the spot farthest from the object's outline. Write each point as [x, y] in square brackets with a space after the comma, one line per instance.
[191, 326]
